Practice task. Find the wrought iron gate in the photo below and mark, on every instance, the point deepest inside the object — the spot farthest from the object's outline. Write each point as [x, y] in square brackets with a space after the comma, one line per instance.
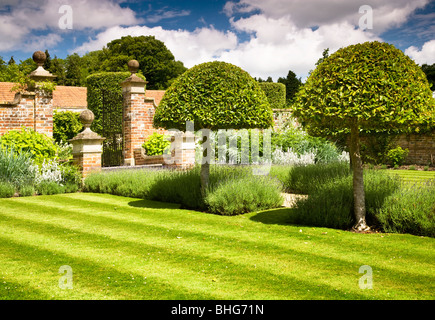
[112, 129]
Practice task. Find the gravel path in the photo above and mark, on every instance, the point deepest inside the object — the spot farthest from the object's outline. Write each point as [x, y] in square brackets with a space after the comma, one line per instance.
[290, 198]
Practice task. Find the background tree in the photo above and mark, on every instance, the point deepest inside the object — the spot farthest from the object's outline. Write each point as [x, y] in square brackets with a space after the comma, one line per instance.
[3, 68]
[269, 79]
[156, 62]
[47, 63]
[27, 66]
[213, 95]
[292, 85]
[429, 70]
[74, 73]
[371, 86]
[57, 68]
[10, 72]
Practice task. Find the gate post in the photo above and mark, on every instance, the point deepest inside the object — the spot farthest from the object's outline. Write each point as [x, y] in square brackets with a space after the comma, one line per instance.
[87, 146]
[43, 103]
[134, 113]
[182, 150]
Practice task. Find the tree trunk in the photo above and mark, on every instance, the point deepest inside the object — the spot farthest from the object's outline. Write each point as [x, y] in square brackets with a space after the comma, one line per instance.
[205, 162]
[358, 180]
[205, 176]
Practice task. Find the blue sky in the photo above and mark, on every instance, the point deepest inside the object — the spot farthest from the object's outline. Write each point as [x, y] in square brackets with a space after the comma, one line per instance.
[264, 37]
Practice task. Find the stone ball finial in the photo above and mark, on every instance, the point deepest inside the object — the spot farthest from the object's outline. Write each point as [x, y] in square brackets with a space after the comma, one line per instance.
[39, 57]
[86, 118]
[133, 66]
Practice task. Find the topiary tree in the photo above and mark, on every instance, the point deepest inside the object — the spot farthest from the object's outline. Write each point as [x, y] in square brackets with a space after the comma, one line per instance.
[372, 87]
[213, 95]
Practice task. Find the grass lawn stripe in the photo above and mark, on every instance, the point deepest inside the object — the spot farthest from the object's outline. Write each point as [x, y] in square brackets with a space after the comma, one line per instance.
[284, 246]
[101, 263]
[221, 264]
[410, 177]
[301, 256]
[206, 228]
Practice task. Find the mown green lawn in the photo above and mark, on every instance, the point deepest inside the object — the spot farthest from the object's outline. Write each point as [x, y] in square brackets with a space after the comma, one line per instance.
[126, 248]
[413, 176]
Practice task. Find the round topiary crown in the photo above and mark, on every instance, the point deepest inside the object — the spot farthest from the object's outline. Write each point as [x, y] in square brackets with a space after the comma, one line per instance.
[214, 95]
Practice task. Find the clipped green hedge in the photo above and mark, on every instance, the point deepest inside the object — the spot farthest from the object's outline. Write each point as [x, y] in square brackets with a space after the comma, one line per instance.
[66, 125]
[275, 93]
[101, 84]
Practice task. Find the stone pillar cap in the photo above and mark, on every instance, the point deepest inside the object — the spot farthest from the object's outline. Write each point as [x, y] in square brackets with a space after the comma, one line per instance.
[40, 73]
[86, 118]
[133, 67]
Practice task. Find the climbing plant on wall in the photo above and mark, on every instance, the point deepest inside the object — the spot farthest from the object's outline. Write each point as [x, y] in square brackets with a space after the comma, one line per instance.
[105, 101]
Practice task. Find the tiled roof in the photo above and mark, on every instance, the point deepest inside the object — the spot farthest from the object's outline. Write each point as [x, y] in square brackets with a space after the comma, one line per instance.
[68, 97]
[63, 96]
[156, 94]
[5, 92]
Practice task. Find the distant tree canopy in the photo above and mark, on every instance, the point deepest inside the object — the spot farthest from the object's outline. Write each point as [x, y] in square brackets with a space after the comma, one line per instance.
[292, 85]
[12, 72]
[157, 63]
[429, 71]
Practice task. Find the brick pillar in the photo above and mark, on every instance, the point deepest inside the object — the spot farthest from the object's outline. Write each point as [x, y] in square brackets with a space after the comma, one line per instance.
[87, 146]
[43, 107]
[136, 116]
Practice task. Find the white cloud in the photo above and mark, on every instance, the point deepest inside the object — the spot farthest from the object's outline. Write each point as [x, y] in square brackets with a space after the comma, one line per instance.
[10, 33]
[24, 17]
[278, 45]
[201, 45]
[42, 42]
[284, 34]
[424, 56]
[311, 13]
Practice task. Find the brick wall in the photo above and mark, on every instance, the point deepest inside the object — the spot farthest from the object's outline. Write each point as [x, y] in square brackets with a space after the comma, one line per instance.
[14, 116]
[421, 148]
[141, 159]
[31, 110]
[44, 113]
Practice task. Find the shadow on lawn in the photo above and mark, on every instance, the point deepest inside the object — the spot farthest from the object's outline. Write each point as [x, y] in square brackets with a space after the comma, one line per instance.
[281, 216]
[153, 204]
